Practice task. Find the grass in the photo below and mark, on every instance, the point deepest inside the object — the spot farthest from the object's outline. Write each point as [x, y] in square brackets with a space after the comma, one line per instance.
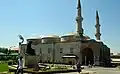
[49, 70]
[57, 70]
[3, 67]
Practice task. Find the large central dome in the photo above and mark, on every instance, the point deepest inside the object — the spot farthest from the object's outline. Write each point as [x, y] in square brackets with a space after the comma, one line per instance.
[50, 39]
[51, 36]
[73, 37]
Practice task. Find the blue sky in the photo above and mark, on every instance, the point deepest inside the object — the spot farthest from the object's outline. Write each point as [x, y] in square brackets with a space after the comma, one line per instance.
[44, 17]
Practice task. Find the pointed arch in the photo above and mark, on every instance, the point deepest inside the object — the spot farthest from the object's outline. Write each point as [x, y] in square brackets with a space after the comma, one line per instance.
[87, 56]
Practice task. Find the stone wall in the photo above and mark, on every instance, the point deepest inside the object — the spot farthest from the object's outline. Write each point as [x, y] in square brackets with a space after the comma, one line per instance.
[30, 60]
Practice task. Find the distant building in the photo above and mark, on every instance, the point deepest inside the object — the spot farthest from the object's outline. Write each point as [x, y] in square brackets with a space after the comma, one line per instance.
[69, 47]
[115, 59]
[118, 53]
[111, 54]
[15, 49]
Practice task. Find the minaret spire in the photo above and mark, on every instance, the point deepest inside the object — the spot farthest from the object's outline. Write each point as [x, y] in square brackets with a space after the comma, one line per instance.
[97, 16]
[98, 34]
[79, 20]
[79, 4]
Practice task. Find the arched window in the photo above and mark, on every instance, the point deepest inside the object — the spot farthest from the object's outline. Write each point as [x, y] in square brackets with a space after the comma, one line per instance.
[71, 50]
[61, 50]
[49, 50]
[40, 50]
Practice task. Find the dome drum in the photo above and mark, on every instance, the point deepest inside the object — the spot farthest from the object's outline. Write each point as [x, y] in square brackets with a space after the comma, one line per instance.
[50, 37]
[34, 41]
[50, 40]
[73, 37]
[68, 38]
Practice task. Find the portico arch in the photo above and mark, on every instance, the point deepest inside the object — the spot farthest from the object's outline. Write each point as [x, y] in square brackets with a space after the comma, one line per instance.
[87, 56]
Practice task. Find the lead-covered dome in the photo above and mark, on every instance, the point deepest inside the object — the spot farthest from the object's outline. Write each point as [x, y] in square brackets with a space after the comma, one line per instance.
[35, 40]
[72, 37]
[50, 36]
[50, 39]
[68, 37]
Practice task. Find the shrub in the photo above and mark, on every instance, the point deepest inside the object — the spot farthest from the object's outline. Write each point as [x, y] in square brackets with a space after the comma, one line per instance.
[44, 69]
[14, 62]
[60, 67]
[10, 62]
[52, 65]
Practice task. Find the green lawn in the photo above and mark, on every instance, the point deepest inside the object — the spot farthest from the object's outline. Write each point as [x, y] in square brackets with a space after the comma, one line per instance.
[3, 67]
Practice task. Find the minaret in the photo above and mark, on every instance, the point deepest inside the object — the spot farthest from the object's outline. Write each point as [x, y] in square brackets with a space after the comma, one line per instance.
[79, 20]
[98, 34]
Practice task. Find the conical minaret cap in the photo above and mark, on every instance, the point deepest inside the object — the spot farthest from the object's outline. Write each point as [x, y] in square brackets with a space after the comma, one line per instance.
[79, 4]
[97, 16]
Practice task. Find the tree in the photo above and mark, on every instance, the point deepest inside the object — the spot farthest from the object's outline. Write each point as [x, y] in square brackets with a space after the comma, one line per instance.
[4, 50]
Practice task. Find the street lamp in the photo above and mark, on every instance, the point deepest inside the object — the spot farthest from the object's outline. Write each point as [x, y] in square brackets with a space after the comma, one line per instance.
[22, 40]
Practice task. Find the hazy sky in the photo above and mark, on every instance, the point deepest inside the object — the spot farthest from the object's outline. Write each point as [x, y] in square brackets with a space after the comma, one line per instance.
[46, 17]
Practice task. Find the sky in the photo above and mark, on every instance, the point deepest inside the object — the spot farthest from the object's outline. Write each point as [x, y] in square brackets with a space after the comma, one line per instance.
[47, 17]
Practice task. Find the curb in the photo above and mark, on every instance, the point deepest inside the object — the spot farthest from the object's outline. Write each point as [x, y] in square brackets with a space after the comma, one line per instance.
[52, 72]
[49, 72]
[90, 72]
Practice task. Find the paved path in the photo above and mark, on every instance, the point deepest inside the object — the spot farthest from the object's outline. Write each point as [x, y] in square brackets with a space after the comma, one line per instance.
[99, 70]
[83, 71]
[69, 73]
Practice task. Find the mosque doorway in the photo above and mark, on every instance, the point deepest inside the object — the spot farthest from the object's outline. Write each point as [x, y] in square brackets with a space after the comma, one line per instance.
[87, 56]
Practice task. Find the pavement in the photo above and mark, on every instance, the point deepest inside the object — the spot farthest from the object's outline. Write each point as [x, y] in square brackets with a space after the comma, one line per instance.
[103, 70]
[98, 70]
[83, 72]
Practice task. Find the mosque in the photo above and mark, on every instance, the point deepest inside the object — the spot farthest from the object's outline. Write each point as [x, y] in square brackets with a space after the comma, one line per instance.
[70, 47]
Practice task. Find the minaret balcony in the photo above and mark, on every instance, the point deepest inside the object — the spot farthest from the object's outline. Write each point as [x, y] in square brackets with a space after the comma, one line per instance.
[97, 25]
[97, 34]
[79, 18]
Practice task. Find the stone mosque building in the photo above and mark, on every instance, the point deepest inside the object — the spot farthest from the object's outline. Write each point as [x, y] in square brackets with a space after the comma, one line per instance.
[69, 47]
